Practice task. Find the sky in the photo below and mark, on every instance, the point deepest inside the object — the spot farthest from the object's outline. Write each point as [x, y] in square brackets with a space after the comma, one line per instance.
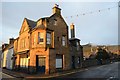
[97, 28]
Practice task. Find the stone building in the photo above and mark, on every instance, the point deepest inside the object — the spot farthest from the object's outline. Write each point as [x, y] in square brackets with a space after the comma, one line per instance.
[76, 50]
[43, 45]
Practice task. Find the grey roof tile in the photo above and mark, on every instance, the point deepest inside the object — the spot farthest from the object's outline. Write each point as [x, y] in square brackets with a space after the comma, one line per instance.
[31, 23]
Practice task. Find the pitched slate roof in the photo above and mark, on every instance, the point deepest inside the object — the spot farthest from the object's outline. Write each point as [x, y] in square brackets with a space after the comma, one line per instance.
[71, 39]
[43, 18]
[31, 23]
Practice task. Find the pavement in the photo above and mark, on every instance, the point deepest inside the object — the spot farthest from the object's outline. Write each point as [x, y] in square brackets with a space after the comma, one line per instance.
[91, 72]
[3, 75]
[22, 75]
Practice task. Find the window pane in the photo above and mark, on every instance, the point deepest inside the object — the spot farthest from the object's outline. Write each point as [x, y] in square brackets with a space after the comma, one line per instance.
[48, 38]
[63, 38]
[48, 35]
[63, 41]
[40, 37]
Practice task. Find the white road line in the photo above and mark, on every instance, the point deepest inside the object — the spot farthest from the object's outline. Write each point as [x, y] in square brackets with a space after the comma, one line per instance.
[86, 69]
[8, 75]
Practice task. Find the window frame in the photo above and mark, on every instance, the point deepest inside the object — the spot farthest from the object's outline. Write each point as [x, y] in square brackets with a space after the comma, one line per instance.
[49, 38]
[40, 39]
[63, 40]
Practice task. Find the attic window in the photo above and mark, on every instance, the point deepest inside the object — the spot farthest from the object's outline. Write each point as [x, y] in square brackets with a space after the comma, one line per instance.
[25, 28]
[39, 22]
[55, 21]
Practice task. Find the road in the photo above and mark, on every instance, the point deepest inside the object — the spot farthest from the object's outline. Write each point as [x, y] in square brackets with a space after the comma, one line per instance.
[6, 76]
[3, 75]
[109, 72]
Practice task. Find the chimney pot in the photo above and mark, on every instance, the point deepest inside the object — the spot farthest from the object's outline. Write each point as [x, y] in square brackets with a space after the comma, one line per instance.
[72, 30]
[11, 40]
[56, 9]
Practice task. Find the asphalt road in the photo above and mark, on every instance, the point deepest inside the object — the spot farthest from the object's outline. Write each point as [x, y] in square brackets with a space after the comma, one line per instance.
[109, 72]
[3, 75]
[6, 76]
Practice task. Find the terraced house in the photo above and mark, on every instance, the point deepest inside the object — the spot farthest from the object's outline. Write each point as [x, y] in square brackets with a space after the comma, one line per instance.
[43, 45]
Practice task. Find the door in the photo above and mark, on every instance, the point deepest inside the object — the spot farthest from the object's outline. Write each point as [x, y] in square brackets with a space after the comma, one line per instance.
[59, 61]
[40, 64]
[73, 61]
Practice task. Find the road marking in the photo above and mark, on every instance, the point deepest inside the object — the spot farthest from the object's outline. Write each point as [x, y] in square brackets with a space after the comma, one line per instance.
[8, 75]
[110, 78]
[86, 69]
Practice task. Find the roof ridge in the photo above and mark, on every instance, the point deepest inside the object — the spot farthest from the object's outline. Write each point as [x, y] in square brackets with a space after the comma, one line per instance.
[31, 23]
[30, 20]
[42, 18]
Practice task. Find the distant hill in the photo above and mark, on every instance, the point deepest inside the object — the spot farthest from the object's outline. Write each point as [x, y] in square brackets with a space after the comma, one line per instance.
[89, 49]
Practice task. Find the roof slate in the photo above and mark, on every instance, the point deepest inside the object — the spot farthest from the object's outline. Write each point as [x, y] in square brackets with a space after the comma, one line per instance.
[31, 23]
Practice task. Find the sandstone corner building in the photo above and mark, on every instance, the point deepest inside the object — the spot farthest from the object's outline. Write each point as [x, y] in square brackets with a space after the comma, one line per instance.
[43, 45]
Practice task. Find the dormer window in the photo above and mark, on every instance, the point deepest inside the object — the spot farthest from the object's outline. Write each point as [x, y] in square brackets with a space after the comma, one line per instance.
[40, 38]
[55, 21]
[25, 28]
[39, 22]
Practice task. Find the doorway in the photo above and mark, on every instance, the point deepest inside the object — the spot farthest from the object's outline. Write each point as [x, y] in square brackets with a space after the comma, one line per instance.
[40, 64]
[73, 62]
[59, 61]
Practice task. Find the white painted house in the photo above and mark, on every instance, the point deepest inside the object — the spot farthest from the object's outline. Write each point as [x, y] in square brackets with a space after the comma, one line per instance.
[7, 55]
[0, 56]
[4, 54]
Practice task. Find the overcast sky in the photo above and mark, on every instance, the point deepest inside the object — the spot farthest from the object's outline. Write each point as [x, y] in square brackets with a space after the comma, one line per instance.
[97, 28]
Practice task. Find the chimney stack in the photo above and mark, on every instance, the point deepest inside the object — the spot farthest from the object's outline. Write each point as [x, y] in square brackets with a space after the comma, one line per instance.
[56, 9]
[4, 46]
[72, 30]
[11, 40]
